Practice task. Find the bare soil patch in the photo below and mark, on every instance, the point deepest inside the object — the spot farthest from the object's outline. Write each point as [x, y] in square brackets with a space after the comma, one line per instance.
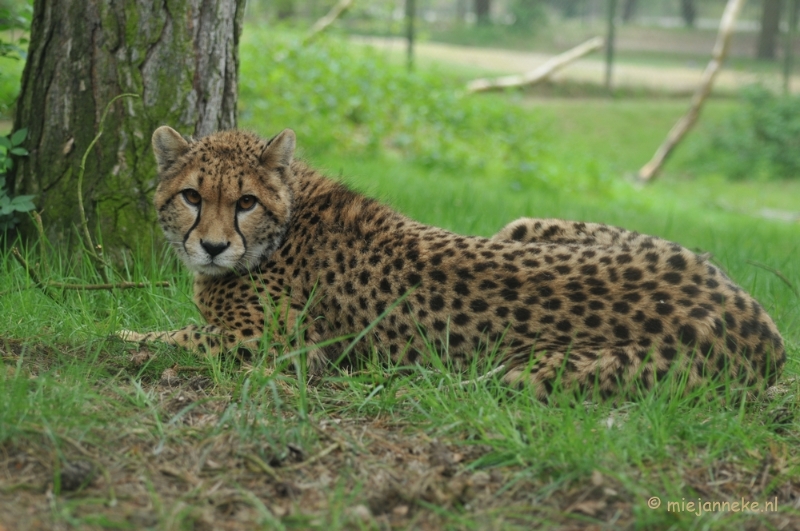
[188, 467]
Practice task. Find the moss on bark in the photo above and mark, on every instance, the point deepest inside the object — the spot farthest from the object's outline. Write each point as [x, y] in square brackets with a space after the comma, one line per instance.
[180, 56]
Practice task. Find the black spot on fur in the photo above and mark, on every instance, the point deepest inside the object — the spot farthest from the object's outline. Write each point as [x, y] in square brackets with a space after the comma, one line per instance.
[519, 233]
[632, 274]
[478, 305]
[593, 321]
[621, 307]
[677, 262]
[653, 326]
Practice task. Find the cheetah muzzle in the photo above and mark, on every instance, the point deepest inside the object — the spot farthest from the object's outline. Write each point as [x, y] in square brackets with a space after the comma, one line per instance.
[589, 305]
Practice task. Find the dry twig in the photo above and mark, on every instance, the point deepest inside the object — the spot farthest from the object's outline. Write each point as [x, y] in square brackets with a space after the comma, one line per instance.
[323, 23]
[110, 286]
[680, 129]
[95, 255]
[540, 73]
[34, 276]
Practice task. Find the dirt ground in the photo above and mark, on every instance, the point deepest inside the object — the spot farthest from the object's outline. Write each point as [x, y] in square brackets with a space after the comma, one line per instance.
[193, 471]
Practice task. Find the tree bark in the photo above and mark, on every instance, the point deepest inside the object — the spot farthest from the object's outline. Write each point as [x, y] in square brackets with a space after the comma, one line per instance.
[770, 22]
[180, 56]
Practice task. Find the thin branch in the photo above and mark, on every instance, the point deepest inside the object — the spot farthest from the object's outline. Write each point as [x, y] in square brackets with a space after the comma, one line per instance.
[31, 272]
[118, 285]
[37, 219]
[777, 274]
[264, 467]
[34, 276]
[99, 262]
[323, 23]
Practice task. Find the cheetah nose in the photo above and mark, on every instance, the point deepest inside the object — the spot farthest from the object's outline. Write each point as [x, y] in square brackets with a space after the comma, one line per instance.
[213, 249]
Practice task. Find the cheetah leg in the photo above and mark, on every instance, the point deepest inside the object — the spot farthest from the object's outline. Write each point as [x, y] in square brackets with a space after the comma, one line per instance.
[215, 340]
[209, 339]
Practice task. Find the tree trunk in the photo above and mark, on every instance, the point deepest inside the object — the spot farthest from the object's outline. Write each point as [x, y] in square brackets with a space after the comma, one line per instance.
[628, 10]
[285, 9]
[688, 12]
[770, 22]
[180, 56]
[482, 11]
[569, 8]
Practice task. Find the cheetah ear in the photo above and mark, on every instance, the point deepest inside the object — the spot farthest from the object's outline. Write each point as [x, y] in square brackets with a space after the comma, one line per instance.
[279, 150]
[168, 146]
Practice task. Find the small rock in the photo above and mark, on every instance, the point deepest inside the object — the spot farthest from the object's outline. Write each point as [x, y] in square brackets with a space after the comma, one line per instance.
[360, 512]
[140, 357]
[75, 474]
[169, 378]
[440, 456]
[400, 510]
[782, 419]
[480, 479]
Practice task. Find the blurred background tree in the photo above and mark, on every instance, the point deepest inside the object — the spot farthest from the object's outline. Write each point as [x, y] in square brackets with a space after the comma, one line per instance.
[329, 87]
[770, 26]
[688, 12]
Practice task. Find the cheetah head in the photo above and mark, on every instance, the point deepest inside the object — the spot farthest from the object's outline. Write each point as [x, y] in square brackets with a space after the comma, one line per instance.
[223, 201]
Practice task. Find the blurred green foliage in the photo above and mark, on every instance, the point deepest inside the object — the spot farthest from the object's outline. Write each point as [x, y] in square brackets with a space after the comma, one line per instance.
[759, 140]
[15, 23]
[345, 99]
[9, 207]
[528, 14]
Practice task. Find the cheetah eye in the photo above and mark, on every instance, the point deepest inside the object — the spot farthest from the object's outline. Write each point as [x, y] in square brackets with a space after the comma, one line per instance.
[192, 196]
[246, 202]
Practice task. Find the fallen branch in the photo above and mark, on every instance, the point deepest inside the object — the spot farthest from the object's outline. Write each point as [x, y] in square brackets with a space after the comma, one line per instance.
[680, 129]
[323, 23]
[264, 467]
[118, 285]
[34, 276]
[31, 272]
[540, 73]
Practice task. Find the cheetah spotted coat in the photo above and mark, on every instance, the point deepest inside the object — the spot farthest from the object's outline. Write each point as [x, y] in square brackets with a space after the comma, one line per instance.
[271, 240]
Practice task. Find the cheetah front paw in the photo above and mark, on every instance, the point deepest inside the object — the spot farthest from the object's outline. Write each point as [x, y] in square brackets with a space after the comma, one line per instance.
[130, 336]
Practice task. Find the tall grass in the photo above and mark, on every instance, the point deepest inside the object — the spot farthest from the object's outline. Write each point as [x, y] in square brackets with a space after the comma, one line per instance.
[180, 441]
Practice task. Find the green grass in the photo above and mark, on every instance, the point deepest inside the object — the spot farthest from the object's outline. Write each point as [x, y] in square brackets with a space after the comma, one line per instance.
[177, 441]
[10, 75]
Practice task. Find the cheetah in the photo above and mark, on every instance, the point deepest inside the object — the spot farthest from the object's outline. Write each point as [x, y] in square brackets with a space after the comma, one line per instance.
[585, 305]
